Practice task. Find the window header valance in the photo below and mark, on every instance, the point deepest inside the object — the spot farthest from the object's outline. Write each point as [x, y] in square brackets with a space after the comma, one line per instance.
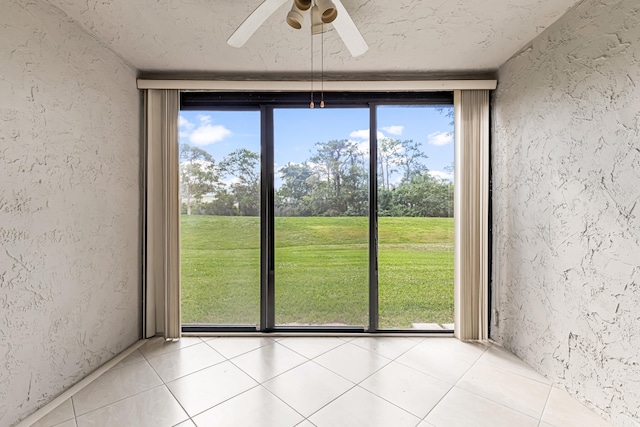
[326, 86]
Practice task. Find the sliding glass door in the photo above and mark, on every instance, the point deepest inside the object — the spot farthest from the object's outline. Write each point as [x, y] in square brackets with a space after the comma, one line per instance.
[321, 216]
[220, 217]
[305, 219]
[415, 160]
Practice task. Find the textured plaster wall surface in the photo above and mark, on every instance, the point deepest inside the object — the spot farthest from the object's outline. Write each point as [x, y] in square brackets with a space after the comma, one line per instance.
[69, 206]
[566, 165]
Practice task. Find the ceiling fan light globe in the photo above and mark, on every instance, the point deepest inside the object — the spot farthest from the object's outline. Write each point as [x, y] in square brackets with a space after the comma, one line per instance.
[329, 16]
[295, 18]
[328, 11]
[302, 4]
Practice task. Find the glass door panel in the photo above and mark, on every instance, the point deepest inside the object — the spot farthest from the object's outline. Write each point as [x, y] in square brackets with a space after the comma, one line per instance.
[415, 209]
[321, 208]
[220, 217]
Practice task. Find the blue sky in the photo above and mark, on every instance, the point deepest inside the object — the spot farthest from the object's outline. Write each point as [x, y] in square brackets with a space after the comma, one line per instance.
[297, 130]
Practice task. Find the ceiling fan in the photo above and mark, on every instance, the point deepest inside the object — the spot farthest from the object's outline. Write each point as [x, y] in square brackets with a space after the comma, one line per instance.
[322, 12]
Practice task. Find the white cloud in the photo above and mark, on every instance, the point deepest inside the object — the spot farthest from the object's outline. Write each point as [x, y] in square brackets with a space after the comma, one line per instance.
[442, 175]
[201, 163]
[185, 124]
[205, 119]
[230, 181]
[360, 134]
[364, 134]
[205, 133]
[319, 170]
[363, 148]
[440, 138]
[315, 166]
[208, 134]
[394, 130]
[390, 149]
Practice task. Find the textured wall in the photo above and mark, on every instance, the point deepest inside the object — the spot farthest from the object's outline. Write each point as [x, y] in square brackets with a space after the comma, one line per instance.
[69, 205]
[566, 153]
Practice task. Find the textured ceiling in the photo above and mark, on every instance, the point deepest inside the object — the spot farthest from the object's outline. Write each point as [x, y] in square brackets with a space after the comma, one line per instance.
[404, 36]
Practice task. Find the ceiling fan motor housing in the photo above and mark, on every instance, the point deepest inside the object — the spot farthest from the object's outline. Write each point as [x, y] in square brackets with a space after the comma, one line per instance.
[302, 4]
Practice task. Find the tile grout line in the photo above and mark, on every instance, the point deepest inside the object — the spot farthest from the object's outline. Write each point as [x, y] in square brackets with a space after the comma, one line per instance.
[308, 360]
[74, 389]
[331, 401]
[224, 401]
[546, 402]
[168, 352]
[417, 343]
[277, 397]
[275, 376]
[258, 383]
[342, 376]
[367, 391]
[424, 373]
[509, 373]
[242, 370]
[437, 403]
[311, 358]
[472, 366]
[516, 373]
[506, 371]
[241, 354]
[414, 369]
[165, 384]
[358, 383]
[75, 414]
[498, 403]
[73, 407]
[120, 400]
[502, 404]
[177, 401]
[191, 373]
[453, 386]
[394, 404]
[189, 417]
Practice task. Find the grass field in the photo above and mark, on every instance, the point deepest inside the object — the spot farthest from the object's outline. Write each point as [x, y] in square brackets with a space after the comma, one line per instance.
[321, 270]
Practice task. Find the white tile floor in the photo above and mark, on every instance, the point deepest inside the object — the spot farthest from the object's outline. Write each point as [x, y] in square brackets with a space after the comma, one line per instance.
[302, 381]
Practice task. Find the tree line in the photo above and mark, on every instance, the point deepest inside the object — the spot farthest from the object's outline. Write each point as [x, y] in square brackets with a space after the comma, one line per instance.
[333, 181]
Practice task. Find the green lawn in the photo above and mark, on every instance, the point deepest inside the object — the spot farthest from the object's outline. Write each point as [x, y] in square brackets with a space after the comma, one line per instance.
[321, 270]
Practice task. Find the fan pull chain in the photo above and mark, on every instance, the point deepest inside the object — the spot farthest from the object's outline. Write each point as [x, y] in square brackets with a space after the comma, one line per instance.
[311, 104]
[322, 67]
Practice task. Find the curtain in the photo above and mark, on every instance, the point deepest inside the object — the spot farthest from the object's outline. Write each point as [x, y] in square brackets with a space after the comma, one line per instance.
[161, 279]
[471, 216]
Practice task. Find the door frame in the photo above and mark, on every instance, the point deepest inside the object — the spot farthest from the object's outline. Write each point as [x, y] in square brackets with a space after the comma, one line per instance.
[266, 103]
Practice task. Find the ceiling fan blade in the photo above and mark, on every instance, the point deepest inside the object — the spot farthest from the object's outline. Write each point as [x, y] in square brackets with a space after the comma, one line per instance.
[253, 21]
[348, 31]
